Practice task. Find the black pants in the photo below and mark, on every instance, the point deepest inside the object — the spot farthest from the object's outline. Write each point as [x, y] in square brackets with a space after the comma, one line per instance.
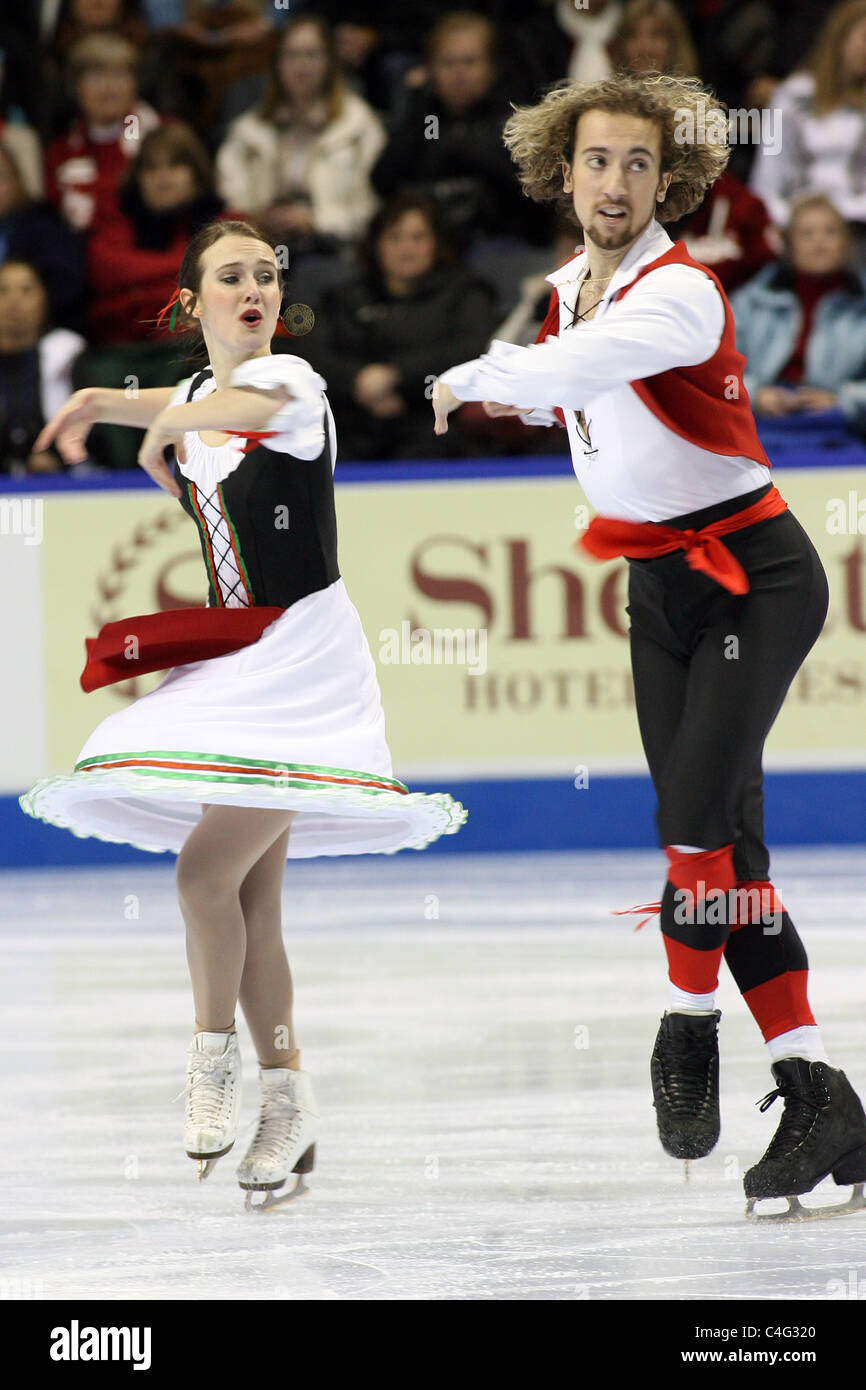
[711, 670]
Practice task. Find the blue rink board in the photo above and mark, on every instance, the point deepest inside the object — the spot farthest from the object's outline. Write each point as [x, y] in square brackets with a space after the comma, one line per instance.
[801, 808]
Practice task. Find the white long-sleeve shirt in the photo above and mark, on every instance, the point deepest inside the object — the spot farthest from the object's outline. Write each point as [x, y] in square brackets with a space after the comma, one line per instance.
[634, 468]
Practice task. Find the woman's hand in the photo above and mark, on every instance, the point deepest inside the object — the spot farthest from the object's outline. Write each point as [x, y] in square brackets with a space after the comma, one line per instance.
[162, 432]
[444, 401]
[495, 410]
[71, 425]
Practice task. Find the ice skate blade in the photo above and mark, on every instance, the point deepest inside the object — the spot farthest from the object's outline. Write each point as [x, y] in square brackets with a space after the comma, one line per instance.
[271, 1199]
[207, 1162]
[797, 1212]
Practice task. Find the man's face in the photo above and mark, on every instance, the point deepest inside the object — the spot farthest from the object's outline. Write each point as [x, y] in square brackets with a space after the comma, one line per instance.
[462, 71]
[22, 307]
[615, 179]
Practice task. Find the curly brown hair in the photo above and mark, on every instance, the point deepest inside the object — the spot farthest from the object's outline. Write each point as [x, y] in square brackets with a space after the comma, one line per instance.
[541, 138]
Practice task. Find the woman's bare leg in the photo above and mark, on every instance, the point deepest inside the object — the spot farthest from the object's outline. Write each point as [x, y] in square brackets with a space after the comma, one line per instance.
[211, 868]
[266, 984]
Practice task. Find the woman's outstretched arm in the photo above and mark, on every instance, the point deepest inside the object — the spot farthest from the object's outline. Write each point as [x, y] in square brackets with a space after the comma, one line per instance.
[97, 405]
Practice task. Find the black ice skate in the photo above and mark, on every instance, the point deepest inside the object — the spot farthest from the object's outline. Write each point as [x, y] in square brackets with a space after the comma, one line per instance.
[685, 1079]
[822, 1131]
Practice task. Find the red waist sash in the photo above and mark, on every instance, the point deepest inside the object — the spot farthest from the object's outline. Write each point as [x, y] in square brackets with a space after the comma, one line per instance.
[605, 538]
[155, 641]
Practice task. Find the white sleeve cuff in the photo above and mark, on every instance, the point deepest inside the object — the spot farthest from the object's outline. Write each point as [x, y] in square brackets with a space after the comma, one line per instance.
[299, 425]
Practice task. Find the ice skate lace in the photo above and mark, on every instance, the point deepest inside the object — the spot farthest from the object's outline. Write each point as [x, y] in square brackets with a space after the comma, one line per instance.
[687, 1080]
[799, 1120]
[205, 1087]
[272, 1133]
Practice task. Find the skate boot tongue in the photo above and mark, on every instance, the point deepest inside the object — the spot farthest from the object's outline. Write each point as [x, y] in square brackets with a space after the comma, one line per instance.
[214, 1044]
[275, 1076]
[798, 1079]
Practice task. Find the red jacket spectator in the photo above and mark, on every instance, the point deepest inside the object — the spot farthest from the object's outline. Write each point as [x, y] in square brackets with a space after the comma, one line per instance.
[84, 167]
[731, 232]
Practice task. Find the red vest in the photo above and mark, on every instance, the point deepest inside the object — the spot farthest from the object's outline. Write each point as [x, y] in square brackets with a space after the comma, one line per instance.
[706, 404]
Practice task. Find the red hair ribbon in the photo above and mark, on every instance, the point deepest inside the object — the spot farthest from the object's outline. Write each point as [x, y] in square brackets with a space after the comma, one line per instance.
[174, 301]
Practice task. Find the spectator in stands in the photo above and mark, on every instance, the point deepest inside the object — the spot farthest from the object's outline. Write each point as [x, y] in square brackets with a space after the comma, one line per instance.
[35, 369]
[448, 146]
[383, 336]
[21, 97]
[379, 44]
[732, 230]
[299, 163]
[133, 262]
[32, 230]
[522, 324]
[507, 433]
[823, 113]
[77, 20]
[801, 322]
[84, 167]
[214, 45]
[652, 34]
[560, 39]
[19, 138]
[736, 41]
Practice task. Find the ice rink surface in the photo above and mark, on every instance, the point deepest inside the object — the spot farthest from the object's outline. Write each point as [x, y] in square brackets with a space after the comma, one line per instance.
[478, 1031]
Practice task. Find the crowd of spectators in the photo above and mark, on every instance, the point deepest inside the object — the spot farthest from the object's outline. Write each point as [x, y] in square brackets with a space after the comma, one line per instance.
[367, 143]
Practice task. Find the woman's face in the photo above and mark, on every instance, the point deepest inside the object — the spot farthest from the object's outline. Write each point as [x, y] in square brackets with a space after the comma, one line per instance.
[166, 182]
[239, 276]
[10, 194]
[407, 249]
[106, 94]
[303, 63]
[818, 241]
[854, 52]
[22, 307]
[648, 46]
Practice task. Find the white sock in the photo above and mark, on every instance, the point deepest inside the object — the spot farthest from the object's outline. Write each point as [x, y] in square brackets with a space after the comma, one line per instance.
[802, 1042]
[681, 1002]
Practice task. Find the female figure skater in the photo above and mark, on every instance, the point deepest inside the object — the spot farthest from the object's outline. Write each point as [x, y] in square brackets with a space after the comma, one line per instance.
[646, 378]
[273, 748]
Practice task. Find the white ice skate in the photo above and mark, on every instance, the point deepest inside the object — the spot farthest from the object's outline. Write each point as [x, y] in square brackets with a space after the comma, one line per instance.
[285, 1140]
[213, 1097]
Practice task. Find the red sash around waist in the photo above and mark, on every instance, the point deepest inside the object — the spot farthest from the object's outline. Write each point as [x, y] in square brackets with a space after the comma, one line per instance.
[605, 538]
[155, 641]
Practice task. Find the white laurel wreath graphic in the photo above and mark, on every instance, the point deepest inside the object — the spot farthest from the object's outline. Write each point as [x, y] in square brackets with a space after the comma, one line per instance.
[112, 583]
